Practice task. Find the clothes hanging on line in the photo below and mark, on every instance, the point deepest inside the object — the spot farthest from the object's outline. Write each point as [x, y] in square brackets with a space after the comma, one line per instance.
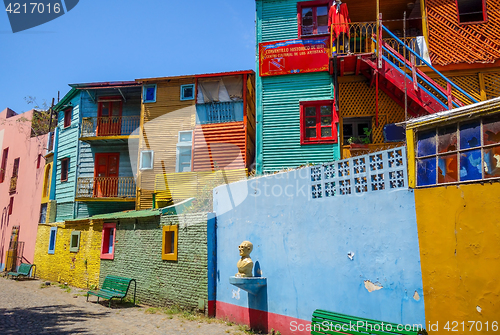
[338, 15]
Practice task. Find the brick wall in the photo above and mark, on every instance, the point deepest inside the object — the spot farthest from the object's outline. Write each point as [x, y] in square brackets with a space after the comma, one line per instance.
[79, 269]
[159, 283]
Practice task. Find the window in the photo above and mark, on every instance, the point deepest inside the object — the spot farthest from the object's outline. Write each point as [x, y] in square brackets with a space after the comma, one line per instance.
[470, 11]
[318, 122]
[183, 152]
[64, 169]
[15, 174]
[39, 160]
[108, 241]
[149, 93]
[109, 116]
[46, 182]
[67, 117]
[75, 241]
[313, 17]
[169, 244]
[50, 142]
[43, 213]
[146, 161]
[52, 240]
[11, 205]
[187, 92]
[462, 152]
[355, 127]
[4, 164]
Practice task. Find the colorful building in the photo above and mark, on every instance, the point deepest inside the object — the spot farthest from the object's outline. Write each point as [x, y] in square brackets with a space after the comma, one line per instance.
[326, 92]
[454, 164]
[191, 126]
[23, 142]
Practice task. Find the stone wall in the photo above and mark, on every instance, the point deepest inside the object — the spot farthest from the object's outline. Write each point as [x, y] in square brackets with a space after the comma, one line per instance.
[79, 269]
[138, 255]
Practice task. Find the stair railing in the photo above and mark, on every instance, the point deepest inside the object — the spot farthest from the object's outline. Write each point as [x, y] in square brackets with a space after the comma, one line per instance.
[438, 88]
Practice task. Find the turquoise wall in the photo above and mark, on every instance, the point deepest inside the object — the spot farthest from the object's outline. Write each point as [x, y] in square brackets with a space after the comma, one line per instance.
[278, 98]
[67, 146]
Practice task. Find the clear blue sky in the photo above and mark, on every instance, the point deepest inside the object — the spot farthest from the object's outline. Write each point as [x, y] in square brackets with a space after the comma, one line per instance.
[118, 40]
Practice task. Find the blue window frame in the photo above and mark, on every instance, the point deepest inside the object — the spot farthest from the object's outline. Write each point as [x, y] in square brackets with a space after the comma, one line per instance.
[149, 93]
[187, 92]
[52, 240]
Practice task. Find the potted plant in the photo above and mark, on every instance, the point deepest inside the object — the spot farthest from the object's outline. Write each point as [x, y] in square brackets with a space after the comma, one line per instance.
[362, 141]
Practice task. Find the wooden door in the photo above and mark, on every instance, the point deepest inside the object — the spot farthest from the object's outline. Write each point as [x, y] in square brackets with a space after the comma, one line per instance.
[109, 118]
[106, 175]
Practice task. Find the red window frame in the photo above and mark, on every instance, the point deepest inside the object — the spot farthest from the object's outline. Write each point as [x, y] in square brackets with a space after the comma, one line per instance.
[67, 117]
[4, 164]
[109, 125]
[106, 230]
[318, 139]
[485, 15]
[313, 4]
[64, 169]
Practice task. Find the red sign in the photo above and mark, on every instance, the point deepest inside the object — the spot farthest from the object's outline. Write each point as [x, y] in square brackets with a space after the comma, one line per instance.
[293, 56]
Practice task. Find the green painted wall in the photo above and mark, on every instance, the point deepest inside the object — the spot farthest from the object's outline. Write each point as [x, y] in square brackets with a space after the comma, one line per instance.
[278, 98]
[160, 283]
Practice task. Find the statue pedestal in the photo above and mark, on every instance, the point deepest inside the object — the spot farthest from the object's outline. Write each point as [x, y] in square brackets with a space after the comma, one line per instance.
[250, 284]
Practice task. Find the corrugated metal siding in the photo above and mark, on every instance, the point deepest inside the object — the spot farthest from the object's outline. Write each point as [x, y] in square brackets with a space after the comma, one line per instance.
[67, 147]
[277, 20]
[222, 143]
[281, 120]
[87, 209]
[162, 122]
[64, 211]
[87, 159]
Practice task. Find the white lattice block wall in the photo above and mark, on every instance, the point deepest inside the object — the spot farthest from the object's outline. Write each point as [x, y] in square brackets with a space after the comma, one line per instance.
[375, 172]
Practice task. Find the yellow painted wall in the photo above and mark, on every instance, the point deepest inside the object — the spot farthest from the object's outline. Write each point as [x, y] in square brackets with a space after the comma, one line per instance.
[80, 269]
[459, 236]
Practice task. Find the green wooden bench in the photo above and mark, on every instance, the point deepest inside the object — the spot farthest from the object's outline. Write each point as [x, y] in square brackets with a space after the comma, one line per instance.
[113, 287]
[324, 322]
[23, 270]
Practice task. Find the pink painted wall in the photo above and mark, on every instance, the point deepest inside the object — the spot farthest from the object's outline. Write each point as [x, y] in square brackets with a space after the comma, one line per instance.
[15, 134]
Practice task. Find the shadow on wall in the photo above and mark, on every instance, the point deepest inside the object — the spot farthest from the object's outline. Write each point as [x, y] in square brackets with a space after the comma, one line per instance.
[4, 223]
[56, 319]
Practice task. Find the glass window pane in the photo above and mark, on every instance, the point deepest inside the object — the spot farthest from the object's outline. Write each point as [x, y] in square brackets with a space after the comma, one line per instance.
[310, 122]
[326, 132]
[447, 139]
[150, 94]
[116, 108]
[492, 162]
[447, 169]
[426, 144]
[105, 108]
[470, 165]
[311, 132]
[361, 127]
[347, 128]
[470, 135]
[311, 111]
[491, 130]
[426, 171]
[187, 92]
[322, 18]
[326, 120]
[326, 110]
[307, 21]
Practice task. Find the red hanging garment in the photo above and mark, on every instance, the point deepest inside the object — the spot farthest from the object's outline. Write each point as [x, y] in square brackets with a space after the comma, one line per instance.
[339, 19]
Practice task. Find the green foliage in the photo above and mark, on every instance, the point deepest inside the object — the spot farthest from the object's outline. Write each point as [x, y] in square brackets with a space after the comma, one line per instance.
[366, 139]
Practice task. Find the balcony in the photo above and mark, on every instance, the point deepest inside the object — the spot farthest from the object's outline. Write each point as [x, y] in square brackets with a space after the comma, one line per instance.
[360, 38]
[109, 127]
[106, 188]
[219, 112]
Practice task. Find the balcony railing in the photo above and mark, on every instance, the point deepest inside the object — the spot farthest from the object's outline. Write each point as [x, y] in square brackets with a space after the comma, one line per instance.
[358, 38]
[109, 125]
[106, 187]
[218, 112]
[13, 184]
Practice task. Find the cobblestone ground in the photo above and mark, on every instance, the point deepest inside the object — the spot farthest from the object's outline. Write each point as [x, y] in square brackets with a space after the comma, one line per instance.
[27, 308]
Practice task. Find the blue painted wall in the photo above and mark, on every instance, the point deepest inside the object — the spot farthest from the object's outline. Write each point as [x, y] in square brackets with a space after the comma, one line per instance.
[302, 245]
[277, 99]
